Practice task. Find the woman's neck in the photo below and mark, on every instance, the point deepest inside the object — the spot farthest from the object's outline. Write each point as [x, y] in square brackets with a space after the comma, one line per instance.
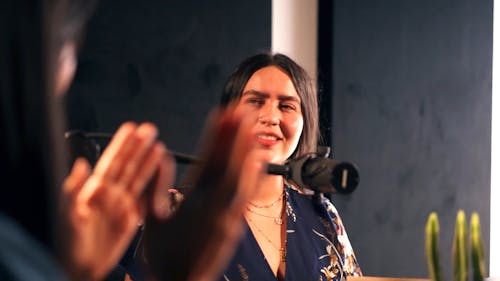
[269, 187]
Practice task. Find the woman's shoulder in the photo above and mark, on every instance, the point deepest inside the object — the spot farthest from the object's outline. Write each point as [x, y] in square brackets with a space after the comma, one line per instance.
[328, 203]
[323, 199]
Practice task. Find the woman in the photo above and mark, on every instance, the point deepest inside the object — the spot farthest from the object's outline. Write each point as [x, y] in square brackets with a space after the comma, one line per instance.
[291, 234]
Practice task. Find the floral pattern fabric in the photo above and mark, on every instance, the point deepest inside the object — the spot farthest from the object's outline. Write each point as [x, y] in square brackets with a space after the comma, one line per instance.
[318, 248]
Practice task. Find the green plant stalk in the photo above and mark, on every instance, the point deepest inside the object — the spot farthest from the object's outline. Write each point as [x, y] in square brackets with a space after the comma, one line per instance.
[431, 247]
[477, 250]
[459, 249]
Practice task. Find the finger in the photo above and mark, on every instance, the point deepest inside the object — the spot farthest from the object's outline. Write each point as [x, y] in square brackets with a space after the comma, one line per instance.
[243, 144]
[145, 136]
[146, 169]
[249, 164]
[193, 174]
[160, 202]
[218, 145]
[254, 167]
[77, 177]
[238, 134]
[114, 156]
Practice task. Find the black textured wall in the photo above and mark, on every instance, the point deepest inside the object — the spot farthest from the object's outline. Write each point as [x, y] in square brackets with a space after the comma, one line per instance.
[163, 61]
[412, 107]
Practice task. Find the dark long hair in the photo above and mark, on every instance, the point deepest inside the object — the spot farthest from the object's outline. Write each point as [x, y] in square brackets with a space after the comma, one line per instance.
[304, 86]
[33, 161]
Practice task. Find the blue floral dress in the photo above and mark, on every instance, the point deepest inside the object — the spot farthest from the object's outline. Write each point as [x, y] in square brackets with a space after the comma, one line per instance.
[318, 248]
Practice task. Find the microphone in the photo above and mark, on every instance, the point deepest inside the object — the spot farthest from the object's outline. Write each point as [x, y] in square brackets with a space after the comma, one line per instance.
[319, 173]
[313, 171]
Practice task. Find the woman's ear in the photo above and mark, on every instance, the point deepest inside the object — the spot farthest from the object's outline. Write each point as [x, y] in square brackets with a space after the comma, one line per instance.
[66, 67]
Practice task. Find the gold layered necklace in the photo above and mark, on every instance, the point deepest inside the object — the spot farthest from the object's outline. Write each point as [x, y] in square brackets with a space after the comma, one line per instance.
[277, 219]
[272, 204]
[281, 250]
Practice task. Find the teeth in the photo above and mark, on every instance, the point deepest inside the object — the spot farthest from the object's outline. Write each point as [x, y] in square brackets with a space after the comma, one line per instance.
[267, 137]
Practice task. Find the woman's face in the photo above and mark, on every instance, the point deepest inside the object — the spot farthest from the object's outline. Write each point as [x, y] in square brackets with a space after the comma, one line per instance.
[270, 101]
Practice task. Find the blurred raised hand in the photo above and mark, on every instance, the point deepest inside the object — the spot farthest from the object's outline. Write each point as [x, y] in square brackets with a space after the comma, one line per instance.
[101, 208]
[197, 241]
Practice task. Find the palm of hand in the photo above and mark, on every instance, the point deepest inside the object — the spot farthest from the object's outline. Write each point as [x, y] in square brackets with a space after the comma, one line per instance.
[103, 218]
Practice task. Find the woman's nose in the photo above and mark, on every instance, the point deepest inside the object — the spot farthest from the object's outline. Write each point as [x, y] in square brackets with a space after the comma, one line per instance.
[268, 115]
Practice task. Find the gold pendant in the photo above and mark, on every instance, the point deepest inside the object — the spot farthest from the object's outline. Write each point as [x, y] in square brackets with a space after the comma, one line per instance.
[278, 221]
[283, 254]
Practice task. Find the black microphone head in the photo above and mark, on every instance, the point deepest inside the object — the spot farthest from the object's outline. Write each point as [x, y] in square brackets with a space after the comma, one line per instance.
[327, 175]
[345, 177]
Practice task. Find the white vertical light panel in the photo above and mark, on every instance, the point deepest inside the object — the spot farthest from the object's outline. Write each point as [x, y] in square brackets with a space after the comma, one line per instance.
[495, 150]
[294, 31]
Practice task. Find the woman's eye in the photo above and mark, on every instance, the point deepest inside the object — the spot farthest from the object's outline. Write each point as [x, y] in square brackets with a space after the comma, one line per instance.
[288, 107]
[255, 101]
